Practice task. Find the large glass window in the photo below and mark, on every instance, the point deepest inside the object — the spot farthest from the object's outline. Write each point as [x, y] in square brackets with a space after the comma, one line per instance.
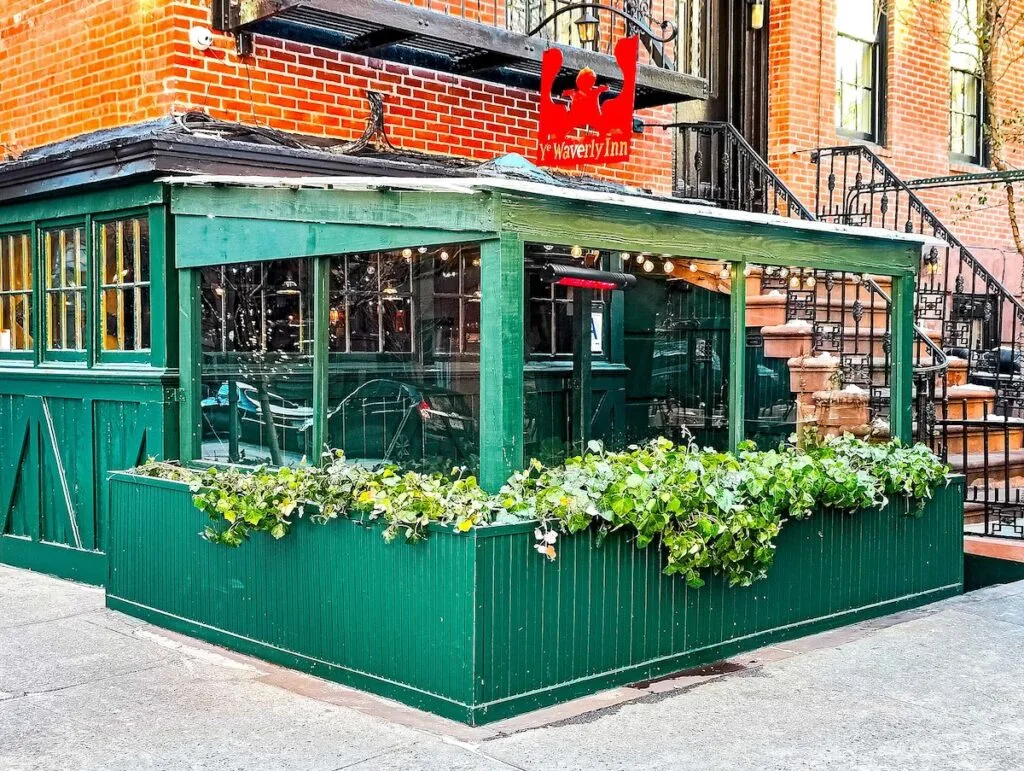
[859, 68]
[64, 259]
[123, 255]
[965, 101]
[549, 307]
[257, 364]
[15, 292]
[404, 374]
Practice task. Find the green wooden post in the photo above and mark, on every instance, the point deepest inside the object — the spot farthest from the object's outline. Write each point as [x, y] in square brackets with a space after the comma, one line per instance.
[901, 397]
[189, 355]
[321, 343]
[737, 354]
[501, 359]
[582, 359]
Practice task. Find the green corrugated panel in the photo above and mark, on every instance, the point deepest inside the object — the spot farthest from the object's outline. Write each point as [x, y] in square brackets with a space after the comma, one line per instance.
[334, 600]
[479, 627]
[629, 622]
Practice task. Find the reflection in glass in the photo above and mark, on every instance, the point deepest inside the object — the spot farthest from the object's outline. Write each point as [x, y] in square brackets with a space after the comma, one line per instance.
[257, 368]
[404, 377]
[64, 258]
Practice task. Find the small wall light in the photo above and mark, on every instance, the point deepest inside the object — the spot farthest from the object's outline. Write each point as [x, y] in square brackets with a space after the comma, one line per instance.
[756, 14]
[587, 26]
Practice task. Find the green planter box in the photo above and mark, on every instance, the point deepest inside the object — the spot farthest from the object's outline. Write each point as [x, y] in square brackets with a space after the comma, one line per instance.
[478, 627]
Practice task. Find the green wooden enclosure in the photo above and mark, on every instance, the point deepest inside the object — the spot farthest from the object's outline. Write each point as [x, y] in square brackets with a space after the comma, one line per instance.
[207, 319]
[479, 627]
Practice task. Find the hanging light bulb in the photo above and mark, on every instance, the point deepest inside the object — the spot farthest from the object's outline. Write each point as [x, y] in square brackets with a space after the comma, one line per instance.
[422, 250]
[476, 262]
[794, 282]
[770, 270]
[724, 273]
[576, 251]
[693, 267]
[648, 266]
[810, 281]
[444, 256]
[783, 272]
[668, 266]
[407, 253]
[625, 257]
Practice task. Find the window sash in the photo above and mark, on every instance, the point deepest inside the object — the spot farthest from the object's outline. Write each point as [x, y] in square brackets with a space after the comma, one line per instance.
[16, 288]
[965, 115]
[64, 291]
[129, 258]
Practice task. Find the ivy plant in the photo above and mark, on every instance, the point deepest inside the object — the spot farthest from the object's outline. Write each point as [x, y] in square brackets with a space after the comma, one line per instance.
[707, 510]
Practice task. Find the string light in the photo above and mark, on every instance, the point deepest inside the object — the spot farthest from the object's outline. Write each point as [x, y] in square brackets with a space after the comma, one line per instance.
[422, 250]
[747, 271]
[794, 283]
[693, 267]
[648, 266]
[724, 273]
[810, 281]
[444, 256]
[625, 257]
[668, 266]
[783, 272]
[407, 253]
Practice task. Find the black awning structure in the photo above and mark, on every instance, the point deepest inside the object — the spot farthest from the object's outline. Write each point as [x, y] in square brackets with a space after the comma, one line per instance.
[395, 31]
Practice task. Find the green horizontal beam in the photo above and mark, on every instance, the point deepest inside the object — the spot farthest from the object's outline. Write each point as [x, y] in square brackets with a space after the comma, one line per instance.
[201, 241]
[96, 203]
[608, 226]
[454, 212]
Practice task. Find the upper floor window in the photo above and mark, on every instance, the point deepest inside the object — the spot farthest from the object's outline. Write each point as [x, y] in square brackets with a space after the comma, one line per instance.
[15, 292]
[966, 118]
[123, 254]
[64, 260]
[860, 65]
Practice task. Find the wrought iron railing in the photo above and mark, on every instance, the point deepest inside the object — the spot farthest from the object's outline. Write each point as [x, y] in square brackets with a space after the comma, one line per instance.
[977, 323]
[686, 52]
[849, 313]
[715, 163]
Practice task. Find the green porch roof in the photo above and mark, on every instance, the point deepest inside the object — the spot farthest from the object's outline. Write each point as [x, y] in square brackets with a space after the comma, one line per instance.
[228, 219]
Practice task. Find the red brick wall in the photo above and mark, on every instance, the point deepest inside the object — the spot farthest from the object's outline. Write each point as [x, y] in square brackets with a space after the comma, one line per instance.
[802, 114]
[113, 62]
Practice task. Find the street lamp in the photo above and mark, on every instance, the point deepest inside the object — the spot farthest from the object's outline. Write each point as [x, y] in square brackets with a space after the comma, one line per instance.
[587, 27]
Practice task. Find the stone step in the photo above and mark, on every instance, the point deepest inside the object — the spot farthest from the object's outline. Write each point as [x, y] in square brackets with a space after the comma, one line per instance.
[1000, 466]
[996, 438]
[796, 338]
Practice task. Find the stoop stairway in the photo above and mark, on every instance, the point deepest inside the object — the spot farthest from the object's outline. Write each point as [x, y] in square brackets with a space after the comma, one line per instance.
[833, 329]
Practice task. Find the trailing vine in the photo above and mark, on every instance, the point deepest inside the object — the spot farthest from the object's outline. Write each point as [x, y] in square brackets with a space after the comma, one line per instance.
[707, 510]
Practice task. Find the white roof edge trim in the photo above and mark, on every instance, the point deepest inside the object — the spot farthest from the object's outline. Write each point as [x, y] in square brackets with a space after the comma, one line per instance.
[474, 185]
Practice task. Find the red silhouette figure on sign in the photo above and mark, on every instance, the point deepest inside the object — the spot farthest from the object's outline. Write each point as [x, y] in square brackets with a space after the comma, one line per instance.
[610, 122]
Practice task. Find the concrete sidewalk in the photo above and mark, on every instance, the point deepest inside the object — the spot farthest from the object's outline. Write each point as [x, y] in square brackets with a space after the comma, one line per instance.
[82, 687]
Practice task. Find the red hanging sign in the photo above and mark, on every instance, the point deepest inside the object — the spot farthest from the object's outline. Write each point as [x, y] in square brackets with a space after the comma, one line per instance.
[584, 128]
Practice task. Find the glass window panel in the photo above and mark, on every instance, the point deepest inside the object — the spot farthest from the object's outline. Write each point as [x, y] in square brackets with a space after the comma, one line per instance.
[65, 260]
[471, 271]
[15, 292]
[123, 255]
[362, 273]
[471, 329]
[401, 388]
[539, 328]
[364, 323]
[857, 18]
[397, 318]
[445, 325]
[257, 373]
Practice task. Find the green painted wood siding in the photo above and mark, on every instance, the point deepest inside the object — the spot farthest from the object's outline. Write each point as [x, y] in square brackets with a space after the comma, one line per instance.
[478, 627]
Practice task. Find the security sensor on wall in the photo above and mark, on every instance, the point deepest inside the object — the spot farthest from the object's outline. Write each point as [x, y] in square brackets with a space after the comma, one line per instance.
[200, 38]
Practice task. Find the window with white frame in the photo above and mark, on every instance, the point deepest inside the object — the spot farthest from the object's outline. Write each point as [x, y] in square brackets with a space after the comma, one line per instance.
[860, 59]
[966, 116]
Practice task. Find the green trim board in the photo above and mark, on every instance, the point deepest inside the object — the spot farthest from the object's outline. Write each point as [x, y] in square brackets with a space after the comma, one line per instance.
[78, 205]
[488, 629]
[87, 567]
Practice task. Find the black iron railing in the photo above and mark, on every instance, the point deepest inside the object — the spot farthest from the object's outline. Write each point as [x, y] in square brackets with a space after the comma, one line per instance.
[849, 313]
[972, 318]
